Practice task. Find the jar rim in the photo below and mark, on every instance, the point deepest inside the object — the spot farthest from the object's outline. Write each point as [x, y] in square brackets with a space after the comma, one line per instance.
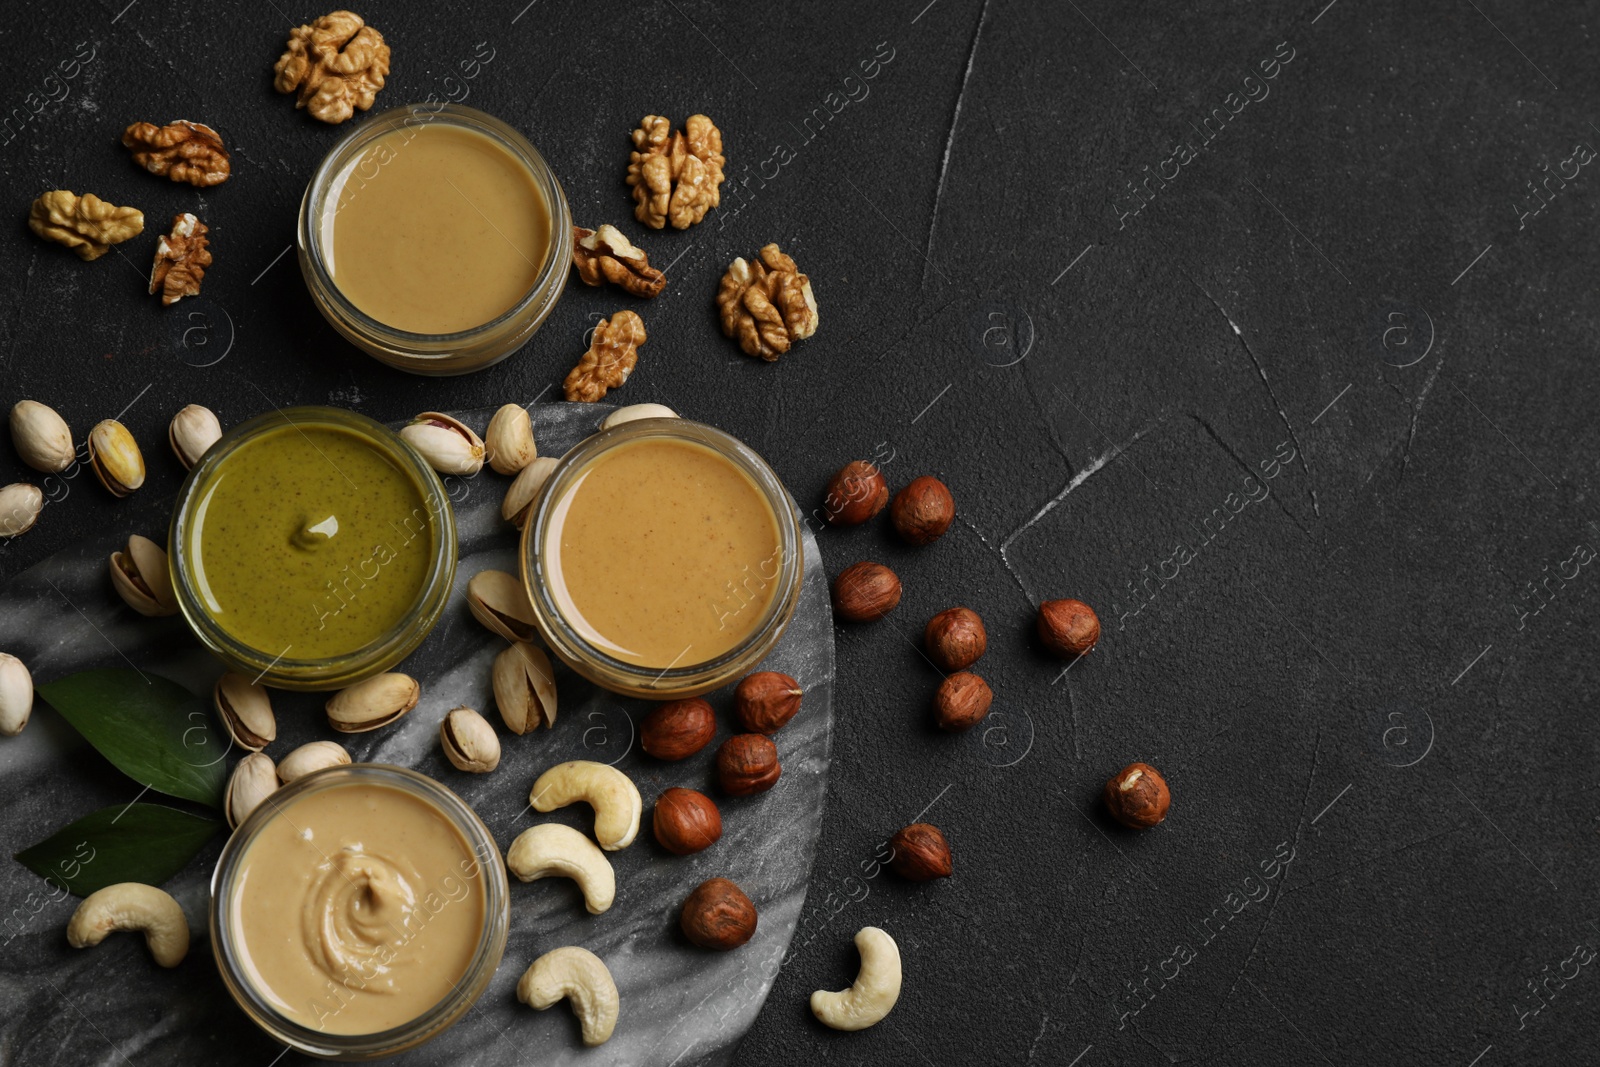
[436, 1019]
[329, 672]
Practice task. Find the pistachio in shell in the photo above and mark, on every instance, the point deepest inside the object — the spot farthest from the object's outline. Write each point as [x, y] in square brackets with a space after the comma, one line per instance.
[500, 602]
[317, 756]
[447, 444]
[193, 430]
[141, 577]
[525, 688]
[509, 440]
[246, 711]
[20, 504]
[469, 742]
[637, 411]
[115, 457]
[376, 702]
[16, 695]
[254, 780]
[519, 498]
[42, 437]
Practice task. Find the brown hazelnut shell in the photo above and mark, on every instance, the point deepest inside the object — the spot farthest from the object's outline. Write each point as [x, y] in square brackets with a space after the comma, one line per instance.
[764, 702]
[962, 701]
[955, 639]
[678, 729]
[923, 511]
[921, 853]
[855, 494]
[1143, 804]
[686, 821]
[718, 915]
[1068, 627]
[747, 764]
[865, 591]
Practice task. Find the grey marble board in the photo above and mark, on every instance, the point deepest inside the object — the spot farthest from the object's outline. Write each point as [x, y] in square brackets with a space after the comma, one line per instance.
[680, 1004]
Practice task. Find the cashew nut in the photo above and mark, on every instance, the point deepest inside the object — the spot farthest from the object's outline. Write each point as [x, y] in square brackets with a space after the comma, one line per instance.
[876, 988]
[578, 974]
[132, 906]
[608, 791]
[551, 849]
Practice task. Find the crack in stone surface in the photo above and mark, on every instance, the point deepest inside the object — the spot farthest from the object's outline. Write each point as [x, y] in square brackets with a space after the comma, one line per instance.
[950, 139]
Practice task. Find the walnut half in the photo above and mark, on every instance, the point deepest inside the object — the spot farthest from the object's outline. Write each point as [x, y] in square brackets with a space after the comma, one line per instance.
[604, 255]
[767, 305]
[336, 64]
[86, 224]
[181, 260]
[612, 355]
[676, 175]
[183, 151]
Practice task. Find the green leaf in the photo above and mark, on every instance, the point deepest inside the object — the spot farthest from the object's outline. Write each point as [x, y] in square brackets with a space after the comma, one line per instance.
[154, 730]
[129, 843]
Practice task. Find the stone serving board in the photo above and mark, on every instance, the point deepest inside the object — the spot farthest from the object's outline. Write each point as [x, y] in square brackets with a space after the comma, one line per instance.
[680, 1004]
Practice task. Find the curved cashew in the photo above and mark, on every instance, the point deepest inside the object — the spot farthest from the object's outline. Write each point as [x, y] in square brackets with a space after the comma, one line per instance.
[608, 791]
[552, 849]
[581, 975]
[876, 988]
[132, 906]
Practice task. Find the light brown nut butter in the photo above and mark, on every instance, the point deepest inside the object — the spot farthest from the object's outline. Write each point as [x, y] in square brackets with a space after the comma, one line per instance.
[183, 151]
[613, 353]
[182, 257]
[604, 255]
[767, 305]
[676, 175]
[335, 65]
[86, 224]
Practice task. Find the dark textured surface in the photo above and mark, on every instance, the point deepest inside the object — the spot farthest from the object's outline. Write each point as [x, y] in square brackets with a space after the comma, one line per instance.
[1344, 666]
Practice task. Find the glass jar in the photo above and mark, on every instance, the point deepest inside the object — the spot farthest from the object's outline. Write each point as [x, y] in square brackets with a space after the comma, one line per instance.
[274, 666]
[422, 353]
[484, 873]
[675, 681]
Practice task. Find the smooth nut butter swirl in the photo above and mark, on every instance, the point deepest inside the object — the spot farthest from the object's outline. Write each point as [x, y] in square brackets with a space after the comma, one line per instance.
[357, 909]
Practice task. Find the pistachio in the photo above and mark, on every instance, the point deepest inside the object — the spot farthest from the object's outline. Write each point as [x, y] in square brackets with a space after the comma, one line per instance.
[254, 780]
[20, 504]
[16, 695]
[317, 756]
[448, 445]
[115, 457]
[509, 439]
[637, 411]
[469, 742]
[42, 438]
[142, 578]
[499, 601]
[376, 702]
[525, 688]
[246, 710]
[519, 498]
[193, 430]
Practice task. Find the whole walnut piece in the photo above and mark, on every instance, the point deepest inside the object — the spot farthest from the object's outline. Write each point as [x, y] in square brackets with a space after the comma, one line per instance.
[765, 701]
[604, 255]
[747, 764]
[1137, 796]
[1068, 627]
[865, 591]
[336, 65]
[686, 821]
[678, 729]
[183, 151]
[676, 176]
[921, 853]
[182, 257]
[922, 511]
[718, 915]
[855, 494]
[86, 224]
[963, 699]
[956, 639]
[767, 305]
[613, 353]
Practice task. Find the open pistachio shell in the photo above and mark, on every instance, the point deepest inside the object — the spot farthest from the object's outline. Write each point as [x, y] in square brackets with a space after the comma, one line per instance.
[16, 695]
[447, 443]
[141, 577]
[193, 430]
[525, 688]
[376, 702]
[20, 504]
[42, 438]
[499, 601]
[469, 742]
[316, 756]
[519, 498]
[246, 711]
[509, 440]
[115, 457]
[254, 780]
[637, 411]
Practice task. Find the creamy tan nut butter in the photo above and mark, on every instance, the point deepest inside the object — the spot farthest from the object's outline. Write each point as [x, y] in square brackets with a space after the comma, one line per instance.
[357, 908]
[663, 553]
[436, 229]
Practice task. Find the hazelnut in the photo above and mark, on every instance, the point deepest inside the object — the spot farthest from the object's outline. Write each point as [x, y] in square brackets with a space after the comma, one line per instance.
[962, 701]
[955, 639]
[686, 821]
[764, 702]
[856, 494]
[747, 764]
[1068, 627]
[677, 729]
[923, 511]
[1138, 796]
[718, 915]
[865, 591]
[921, 853]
